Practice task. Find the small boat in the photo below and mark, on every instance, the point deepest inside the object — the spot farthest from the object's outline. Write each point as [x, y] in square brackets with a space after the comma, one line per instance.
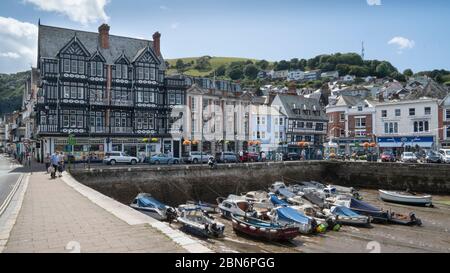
[405, 198]
[377, 214]
[276, 186]
[288, 215]
[257, 196]
[263, 229]
[319, 222]
[235, 205]
[198, 222]
[146, 204]
[346, 216]
[211, 208]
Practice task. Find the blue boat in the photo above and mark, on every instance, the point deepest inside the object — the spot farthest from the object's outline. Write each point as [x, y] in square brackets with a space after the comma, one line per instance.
[148, 205]
[347, 216]
[288, 215]
[198, 222]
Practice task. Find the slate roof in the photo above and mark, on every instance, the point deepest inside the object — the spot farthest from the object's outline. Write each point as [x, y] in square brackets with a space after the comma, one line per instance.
[292, 102]
[52, 39]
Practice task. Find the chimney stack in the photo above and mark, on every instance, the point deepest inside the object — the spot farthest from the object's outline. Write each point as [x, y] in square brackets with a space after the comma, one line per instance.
[103, 38]
[157, 43]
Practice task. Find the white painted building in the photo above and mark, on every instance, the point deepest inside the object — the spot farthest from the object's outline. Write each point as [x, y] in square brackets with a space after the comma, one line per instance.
[407, 124]
[296, 75]
[268, 125]
[445, 122]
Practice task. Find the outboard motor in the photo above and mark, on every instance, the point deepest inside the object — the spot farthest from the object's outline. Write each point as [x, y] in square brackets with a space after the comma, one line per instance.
[171, 214]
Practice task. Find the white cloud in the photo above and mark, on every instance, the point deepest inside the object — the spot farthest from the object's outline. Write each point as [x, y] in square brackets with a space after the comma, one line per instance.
[18, 46]
[174, 25]
[11, 55]
[82, 11]
[374, 2]
[402, 43]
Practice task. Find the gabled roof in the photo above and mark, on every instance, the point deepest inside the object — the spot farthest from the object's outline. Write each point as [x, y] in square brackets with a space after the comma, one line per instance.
[293, 102]
[53, 39]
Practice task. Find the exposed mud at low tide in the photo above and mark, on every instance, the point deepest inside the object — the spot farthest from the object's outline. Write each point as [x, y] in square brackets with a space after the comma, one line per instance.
[432, 236]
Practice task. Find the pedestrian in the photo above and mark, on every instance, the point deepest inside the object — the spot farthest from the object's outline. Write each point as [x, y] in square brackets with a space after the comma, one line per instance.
[61, 164]
[54, 160]
[319, 154]
[303, 155]
[263, 156]
[47, 162]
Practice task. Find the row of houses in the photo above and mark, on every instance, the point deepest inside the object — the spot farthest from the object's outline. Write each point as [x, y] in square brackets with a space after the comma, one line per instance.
[393, 125]
[93, 93]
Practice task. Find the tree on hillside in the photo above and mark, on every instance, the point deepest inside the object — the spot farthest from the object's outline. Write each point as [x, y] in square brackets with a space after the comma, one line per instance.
[180, 65]
[408, 73]
[385, 69]
[251, 71]
[235, 73]
[203, 63]
[263, 64]
[343, 69]
[221, 71]
[282, 65]
[398, 76]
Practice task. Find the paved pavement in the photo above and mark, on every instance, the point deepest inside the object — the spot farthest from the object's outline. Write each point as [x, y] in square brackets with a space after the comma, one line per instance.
[56, 218]
[8, 177]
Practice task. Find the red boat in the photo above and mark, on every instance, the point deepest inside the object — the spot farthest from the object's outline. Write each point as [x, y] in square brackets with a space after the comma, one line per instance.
[264, 230]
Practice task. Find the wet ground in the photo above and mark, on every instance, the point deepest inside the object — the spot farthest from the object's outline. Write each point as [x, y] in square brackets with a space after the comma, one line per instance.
[432, 236]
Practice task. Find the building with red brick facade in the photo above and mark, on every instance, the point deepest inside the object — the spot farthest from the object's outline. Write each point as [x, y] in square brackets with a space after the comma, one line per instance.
[350, 123]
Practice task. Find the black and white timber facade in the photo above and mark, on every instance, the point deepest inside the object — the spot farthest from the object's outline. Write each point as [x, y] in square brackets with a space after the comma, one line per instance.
[110, 92]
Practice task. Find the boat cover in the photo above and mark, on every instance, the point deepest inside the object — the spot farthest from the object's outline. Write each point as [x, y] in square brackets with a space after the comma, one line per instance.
[340, 210]
[277, 201]
[291, 214]
[151, 202]
[360, 205]
[315, 199]
[286, 193]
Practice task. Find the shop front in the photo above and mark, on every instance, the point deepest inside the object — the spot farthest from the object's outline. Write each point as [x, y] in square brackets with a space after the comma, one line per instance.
[398, 145]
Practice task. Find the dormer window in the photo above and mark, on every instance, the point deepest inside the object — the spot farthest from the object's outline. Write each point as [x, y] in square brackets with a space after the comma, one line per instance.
[121, 71]
[96, 69]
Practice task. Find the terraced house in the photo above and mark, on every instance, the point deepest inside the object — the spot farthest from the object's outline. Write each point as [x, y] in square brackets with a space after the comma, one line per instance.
[109, 91]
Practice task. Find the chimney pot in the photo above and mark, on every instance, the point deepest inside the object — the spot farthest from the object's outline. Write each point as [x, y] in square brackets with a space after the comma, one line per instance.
[103, 37]
[157, 43]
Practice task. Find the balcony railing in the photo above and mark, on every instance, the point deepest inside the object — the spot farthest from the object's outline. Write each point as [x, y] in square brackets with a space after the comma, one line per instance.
[127, 103]
[47, 129]
[99, 130]
[104, 102]
[121, 130]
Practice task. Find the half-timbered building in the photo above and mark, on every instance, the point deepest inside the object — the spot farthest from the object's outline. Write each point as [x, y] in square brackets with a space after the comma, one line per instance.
[109, 91]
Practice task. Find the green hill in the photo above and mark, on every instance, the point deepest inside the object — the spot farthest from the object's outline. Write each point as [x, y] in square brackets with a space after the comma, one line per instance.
[192, 67]
[11, 90]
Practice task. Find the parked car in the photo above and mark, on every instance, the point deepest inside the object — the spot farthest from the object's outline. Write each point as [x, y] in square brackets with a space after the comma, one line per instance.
[409, 157]
[163, 159]
[196, 157]
[112, 158]
[433, 157]
[291, 156]
[445, 155]
[387, 157]
[249, 157]
[227, 157]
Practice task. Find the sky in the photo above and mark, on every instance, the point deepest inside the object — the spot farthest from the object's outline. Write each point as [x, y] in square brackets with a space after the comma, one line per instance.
[409, 33]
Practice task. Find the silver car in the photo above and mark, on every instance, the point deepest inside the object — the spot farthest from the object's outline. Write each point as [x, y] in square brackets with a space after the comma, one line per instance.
[196, 157]
[112, 158]
[409, 157]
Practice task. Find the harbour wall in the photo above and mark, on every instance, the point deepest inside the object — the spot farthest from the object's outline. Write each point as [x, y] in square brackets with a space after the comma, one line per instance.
[177, 184]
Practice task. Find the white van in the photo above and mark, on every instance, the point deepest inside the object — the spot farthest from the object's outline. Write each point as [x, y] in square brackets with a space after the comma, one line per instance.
[445, 155]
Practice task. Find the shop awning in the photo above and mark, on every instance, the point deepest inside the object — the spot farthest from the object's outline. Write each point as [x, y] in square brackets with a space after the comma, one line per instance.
[399, 142]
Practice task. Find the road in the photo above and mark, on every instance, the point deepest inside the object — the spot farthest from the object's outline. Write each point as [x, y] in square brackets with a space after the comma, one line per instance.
[8, 178]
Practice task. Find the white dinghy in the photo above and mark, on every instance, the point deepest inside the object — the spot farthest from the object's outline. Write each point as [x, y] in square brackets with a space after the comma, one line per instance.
[405, 198]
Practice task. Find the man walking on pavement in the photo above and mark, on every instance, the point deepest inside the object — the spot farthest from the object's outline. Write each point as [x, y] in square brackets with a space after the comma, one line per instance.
[54, 160]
